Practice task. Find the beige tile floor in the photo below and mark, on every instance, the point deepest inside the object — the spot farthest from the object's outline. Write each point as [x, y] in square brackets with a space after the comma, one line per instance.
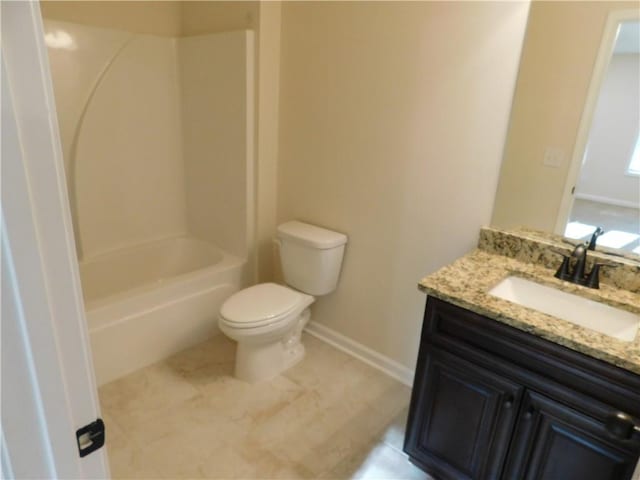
[330, 416]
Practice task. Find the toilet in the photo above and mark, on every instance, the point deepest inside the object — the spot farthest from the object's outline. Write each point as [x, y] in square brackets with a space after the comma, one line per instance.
[267, 319]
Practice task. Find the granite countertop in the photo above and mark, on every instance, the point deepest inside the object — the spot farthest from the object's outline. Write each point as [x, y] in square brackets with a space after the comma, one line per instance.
[466, 283]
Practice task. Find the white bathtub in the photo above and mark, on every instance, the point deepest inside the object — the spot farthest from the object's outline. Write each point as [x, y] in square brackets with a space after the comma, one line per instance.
[147, 302]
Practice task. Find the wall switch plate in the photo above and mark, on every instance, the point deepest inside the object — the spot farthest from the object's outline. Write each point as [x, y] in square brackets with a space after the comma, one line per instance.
[553, 157]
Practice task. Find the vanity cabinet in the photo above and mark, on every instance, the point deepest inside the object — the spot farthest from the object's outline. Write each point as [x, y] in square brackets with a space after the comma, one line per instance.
[492, 402]
[552, 440]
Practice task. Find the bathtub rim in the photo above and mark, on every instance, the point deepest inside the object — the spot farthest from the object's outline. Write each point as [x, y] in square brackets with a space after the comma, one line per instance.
[227, 262]
[144, 244]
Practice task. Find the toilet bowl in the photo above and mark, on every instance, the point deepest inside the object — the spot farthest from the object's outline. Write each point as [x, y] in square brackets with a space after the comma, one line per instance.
[267, 322]
[267, 319]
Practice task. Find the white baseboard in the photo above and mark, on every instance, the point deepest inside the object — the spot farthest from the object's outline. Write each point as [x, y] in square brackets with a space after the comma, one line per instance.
[359, 351]
[606, 200]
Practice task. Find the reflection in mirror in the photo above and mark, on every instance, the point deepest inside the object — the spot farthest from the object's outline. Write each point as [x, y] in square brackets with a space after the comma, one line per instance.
[607, 192]
[568, 162]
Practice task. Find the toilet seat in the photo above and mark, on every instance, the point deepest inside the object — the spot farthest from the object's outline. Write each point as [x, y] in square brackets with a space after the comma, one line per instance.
[260, 305]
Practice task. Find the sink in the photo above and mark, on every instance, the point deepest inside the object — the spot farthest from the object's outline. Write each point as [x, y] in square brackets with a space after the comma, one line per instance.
[602, 318]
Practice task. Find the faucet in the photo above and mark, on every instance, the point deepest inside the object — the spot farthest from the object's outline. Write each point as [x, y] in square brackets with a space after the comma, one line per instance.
[592, 243]
[580, 255]
[573, 266]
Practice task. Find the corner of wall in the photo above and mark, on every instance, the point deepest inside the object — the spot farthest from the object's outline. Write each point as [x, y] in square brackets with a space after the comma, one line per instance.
[267, 151]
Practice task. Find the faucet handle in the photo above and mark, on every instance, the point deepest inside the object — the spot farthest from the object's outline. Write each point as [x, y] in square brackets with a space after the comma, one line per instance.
[563, 271]
[593, 280]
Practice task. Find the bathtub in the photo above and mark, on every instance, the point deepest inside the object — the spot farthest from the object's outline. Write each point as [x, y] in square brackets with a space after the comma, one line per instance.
[147, 302]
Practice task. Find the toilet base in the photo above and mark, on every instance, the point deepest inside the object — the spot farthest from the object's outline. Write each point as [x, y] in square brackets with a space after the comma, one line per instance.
[263, 361]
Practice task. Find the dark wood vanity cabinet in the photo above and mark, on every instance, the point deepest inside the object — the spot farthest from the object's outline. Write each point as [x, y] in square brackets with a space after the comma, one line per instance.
[492, 402]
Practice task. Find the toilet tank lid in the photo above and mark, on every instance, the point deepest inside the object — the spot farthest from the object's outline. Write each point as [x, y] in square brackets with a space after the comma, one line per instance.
[311, 235]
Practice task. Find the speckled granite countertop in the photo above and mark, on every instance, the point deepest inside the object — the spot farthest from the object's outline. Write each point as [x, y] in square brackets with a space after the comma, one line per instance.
[466, 283]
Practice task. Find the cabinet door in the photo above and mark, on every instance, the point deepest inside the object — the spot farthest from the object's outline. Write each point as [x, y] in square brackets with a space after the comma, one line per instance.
[552, 441]
[461, 418]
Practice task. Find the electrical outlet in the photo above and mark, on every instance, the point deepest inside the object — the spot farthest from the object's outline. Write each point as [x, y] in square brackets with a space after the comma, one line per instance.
[553, 157]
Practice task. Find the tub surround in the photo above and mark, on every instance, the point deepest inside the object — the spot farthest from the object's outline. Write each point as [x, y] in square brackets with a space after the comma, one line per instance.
[174, 156]
[525, 253]
[160, 183]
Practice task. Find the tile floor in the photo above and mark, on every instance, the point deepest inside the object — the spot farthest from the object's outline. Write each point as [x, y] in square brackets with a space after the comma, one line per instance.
[330, 416]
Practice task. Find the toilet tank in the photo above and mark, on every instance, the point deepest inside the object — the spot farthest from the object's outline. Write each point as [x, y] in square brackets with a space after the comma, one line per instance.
[311, 257]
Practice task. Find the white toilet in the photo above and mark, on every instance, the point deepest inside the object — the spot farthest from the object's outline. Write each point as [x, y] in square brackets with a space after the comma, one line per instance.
[267, 319]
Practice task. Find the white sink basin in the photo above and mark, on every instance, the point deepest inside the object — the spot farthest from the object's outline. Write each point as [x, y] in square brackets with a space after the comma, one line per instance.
[602, 318]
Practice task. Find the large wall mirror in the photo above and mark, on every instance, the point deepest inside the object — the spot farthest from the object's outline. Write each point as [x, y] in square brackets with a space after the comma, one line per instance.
[572, 157]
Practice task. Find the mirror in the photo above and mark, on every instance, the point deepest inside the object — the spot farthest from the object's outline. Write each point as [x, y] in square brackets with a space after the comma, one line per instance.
[606, 192]
[569, 162]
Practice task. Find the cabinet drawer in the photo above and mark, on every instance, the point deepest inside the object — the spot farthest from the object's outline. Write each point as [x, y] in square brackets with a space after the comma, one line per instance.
[458, 330]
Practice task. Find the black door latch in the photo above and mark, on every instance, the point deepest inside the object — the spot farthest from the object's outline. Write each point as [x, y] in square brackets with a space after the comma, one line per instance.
[90, 437]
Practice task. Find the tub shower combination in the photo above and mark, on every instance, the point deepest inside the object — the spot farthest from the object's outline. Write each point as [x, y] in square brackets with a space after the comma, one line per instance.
[147, 302]
[159, 172]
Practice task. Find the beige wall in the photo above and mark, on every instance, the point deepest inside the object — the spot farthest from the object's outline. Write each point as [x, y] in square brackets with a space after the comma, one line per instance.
[560, 50]
[154, 17]
[393, 121]
[268, 100]
[216, 16]
[168, 18]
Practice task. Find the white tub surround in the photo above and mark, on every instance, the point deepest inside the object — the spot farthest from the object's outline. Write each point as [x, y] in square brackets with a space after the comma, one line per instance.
[157, 142]
[158, 148]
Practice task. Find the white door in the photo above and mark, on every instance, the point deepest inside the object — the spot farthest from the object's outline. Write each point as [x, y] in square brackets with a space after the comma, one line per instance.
[48, 385]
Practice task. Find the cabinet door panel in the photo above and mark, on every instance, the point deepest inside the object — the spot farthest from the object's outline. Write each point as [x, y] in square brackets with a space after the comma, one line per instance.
[553, 441]
[463, 418]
